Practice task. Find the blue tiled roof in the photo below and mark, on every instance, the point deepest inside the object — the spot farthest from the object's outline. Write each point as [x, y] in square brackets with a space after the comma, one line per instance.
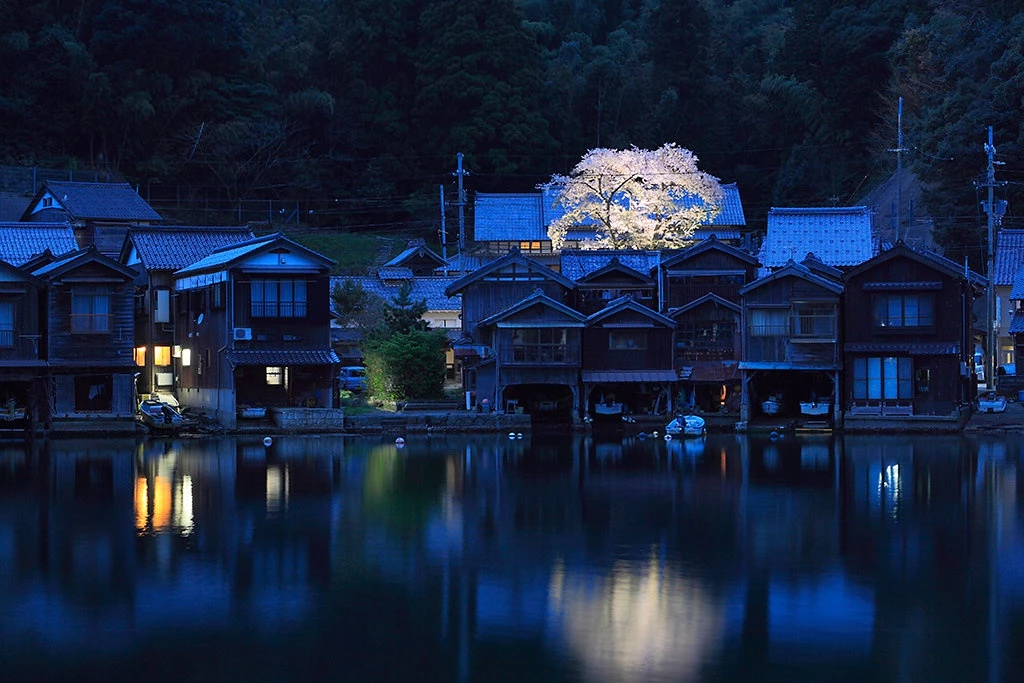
[429, 288]
[1017, 292]
[19, 242]
[579, 263]
[839, 236]
[117, 201]
[526, 216]
[169, 247]
[1009, 257]
[411, 251]
[232, 252]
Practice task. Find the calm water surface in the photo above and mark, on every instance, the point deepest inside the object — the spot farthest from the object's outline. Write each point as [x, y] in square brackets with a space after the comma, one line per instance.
[546, 558]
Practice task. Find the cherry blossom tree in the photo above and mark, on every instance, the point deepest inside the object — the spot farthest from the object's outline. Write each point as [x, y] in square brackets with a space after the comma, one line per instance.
[633, 198]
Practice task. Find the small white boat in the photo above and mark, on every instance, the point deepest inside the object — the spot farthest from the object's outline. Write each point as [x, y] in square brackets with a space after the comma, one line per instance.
[687, 425]
[607, 407]
[160, 416]
[815, 407]
[772, 405]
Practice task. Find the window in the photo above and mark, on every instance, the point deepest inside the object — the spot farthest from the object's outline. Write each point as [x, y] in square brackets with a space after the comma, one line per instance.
[533, 345]
[879, 379]
[814, 322]
[7, 324]
[162, 306]
[705, 334]
[275, 376]
[161, 355]
[903, 310]
[90, 311]
[278, 298]
[140, 356]
[769, 322]
[627, 340]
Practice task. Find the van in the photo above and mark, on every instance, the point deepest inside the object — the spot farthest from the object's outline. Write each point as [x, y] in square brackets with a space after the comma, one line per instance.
[352, 378]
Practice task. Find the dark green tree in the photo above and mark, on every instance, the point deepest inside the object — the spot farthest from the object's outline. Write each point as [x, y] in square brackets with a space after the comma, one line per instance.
[404, 358]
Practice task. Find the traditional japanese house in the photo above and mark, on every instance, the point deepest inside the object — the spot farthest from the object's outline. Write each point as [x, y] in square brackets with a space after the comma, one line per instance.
[23, 242]
[88, 342]
[23, 370]
[602, 276]
[627, 366]
[790, 345]
[707, 354]
[100, 213]
[550, 329]
[907, 337]
[1009, 259]
[253, 321]
[536, 345]
[701, 291]
[156, 252]
[709, 267]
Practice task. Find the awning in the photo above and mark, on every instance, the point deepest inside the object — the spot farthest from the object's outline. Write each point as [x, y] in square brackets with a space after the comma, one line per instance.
[283, 357]
[711, 371]
[613, 376]
[910, 349]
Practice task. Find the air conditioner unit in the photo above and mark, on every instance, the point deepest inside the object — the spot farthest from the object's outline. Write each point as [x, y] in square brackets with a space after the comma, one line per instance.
[243, 333]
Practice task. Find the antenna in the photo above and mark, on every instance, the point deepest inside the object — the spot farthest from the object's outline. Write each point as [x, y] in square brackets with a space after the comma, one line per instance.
[899, 149]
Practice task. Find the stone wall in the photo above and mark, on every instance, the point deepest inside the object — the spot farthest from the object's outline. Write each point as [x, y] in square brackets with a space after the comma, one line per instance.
[307, 420]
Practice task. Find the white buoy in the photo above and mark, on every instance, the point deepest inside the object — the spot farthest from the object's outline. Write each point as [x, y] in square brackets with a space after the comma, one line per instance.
[267, 441]
[519, 435]
[400, 442]
[655, 433]
[668, 437]
[511, 435]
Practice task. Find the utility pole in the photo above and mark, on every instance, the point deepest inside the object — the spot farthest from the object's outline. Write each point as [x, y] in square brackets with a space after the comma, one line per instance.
[990, 330]
[899, 150]
[461, 203]
[444, 234]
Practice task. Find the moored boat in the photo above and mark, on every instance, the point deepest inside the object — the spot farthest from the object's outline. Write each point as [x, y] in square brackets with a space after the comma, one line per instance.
[159, 416]
[686, 425]
[815, 407]
[772, 405]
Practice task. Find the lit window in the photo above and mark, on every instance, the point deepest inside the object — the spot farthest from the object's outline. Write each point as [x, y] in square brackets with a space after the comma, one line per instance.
[140, 356]
[161, 355]
[275, 376]
[186, 357]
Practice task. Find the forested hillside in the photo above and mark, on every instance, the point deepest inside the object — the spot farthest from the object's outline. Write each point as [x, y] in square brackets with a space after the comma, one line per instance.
[357, 108]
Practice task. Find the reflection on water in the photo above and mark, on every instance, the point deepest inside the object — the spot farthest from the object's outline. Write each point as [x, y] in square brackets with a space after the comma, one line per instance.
[488, 558]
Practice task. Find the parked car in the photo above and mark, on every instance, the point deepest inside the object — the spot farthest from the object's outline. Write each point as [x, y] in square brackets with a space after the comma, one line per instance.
[352, 378]
[991, 402]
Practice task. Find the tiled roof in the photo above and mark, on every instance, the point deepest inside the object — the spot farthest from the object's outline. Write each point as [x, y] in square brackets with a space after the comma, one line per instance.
[578, 263]
[232, 252]
[1016, 322]
[19, 242]
[1017, 291]
[911, 348]
[169, 247]
[508, 217]
[839, 236]
[526, 216]
[1009, 257]
[429, 288]
[394, 273]
[461, 263]
[411, 251]
[118, 201]
[282, 357]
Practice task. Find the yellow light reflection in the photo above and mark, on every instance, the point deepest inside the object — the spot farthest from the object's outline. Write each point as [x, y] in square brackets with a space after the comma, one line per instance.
[153, 503]
[277, 488]
[641, 622]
